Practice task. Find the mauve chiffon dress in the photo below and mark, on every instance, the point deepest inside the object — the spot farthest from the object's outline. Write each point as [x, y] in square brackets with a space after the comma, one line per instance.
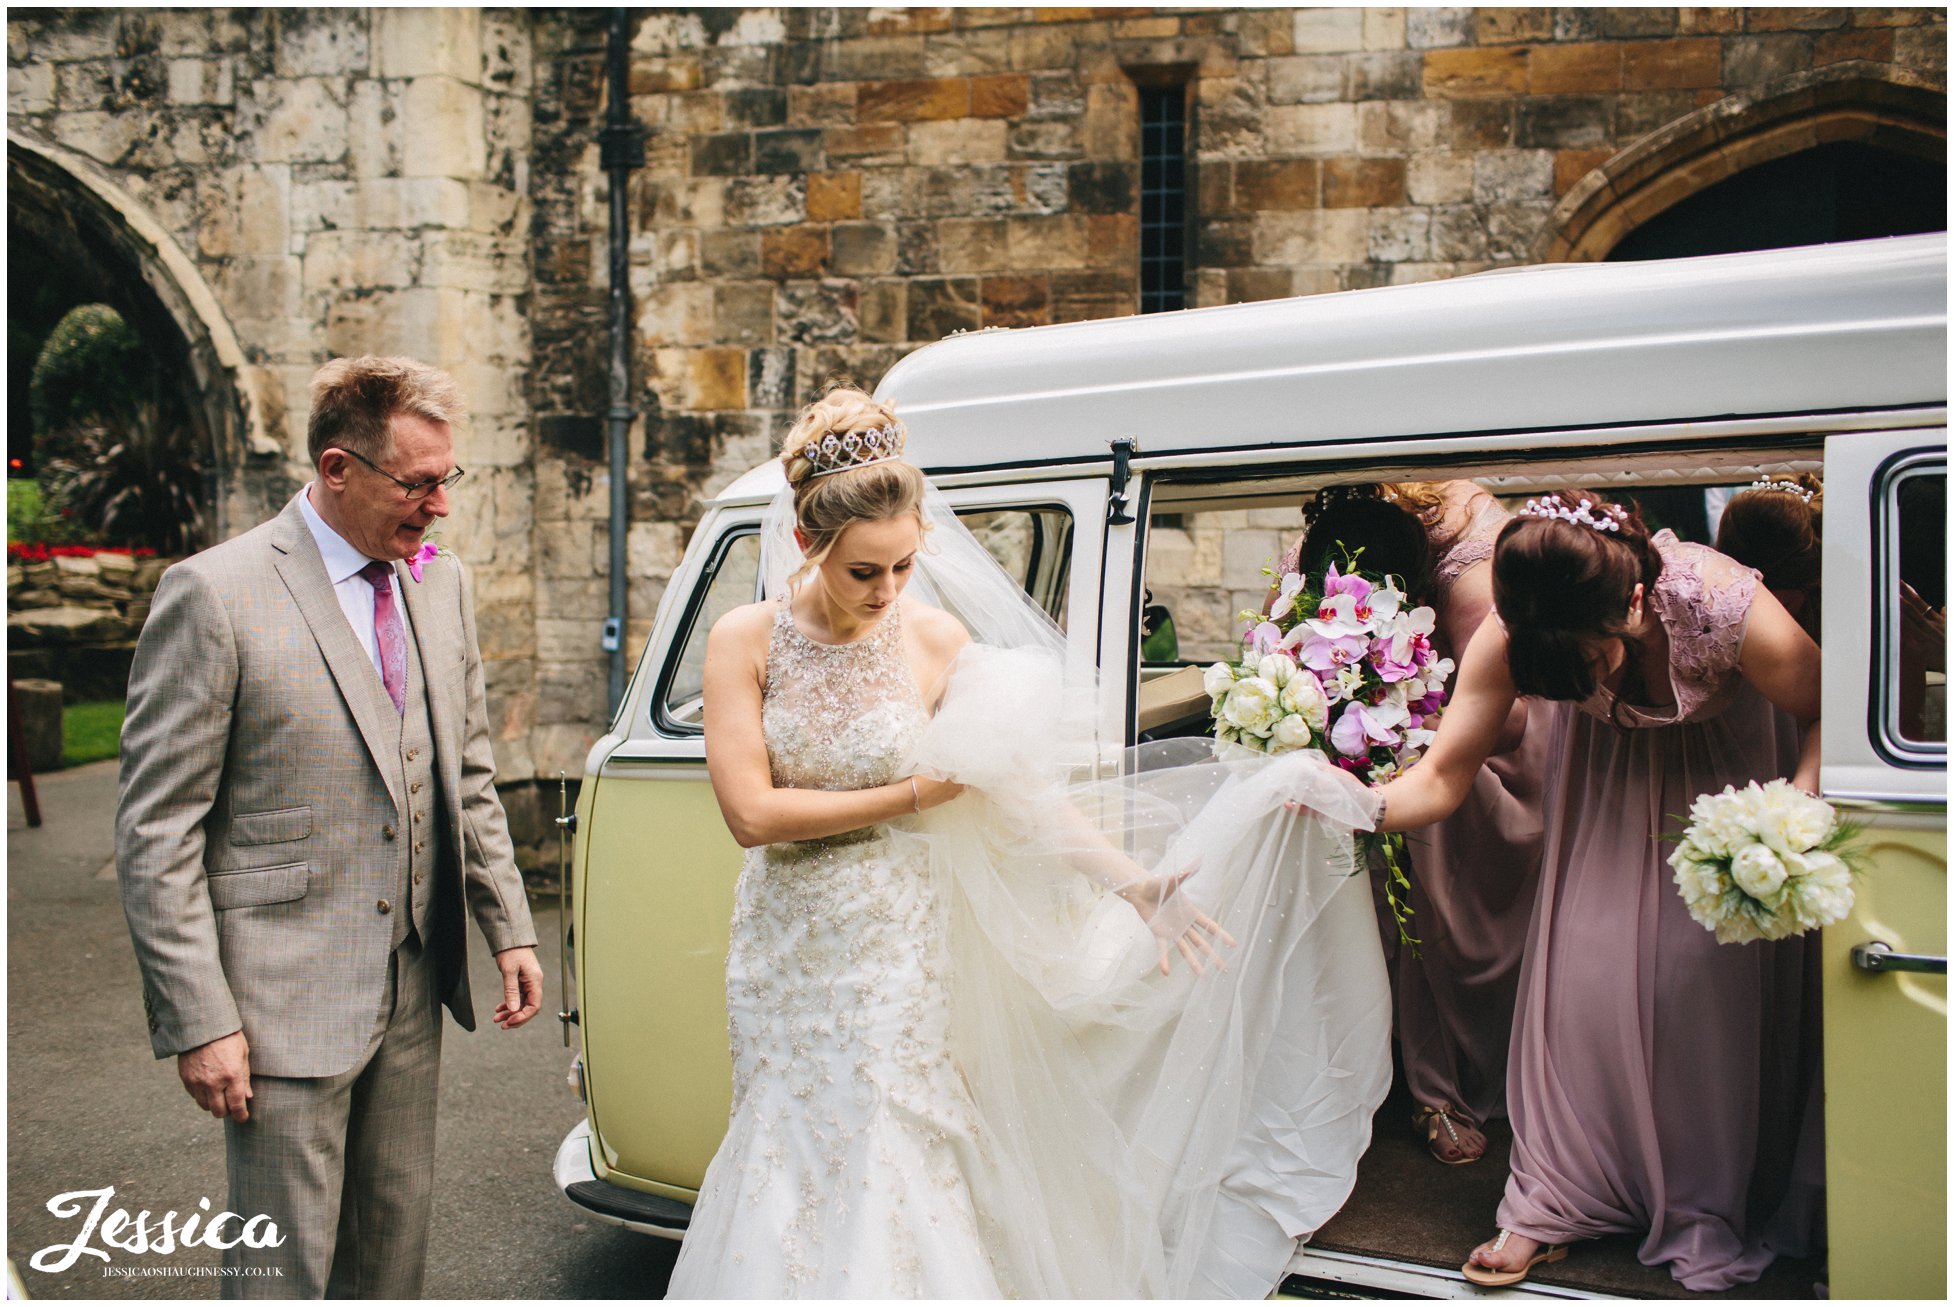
[1473, 881]
[1660, 1082]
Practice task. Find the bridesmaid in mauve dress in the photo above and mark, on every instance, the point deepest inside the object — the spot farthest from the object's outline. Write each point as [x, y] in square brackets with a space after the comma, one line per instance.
[1641, 1084]
[1474, 873]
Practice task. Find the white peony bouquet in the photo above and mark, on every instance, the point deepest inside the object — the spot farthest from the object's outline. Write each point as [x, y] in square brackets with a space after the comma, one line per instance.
[1765, 862]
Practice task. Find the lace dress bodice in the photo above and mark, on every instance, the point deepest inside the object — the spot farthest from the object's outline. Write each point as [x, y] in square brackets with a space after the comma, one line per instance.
[1703, 602]
[1472, 545]
[838, 716]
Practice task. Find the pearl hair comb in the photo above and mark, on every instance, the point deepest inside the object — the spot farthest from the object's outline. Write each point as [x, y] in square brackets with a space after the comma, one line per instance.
[1787, 487]
[1553, 506]
[841, 451]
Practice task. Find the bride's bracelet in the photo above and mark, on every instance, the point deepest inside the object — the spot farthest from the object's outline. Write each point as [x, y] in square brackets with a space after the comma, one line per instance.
[1377, 818]
[915, 794]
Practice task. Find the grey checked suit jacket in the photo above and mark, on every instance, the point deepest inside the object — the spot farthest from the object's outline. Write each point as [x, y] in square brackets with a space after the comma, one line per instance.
[257, 828]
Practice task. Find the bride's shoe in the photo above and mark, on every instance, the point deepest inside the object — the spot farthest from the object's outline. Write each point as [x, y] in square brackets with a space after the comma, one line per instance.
[1429, 1120]
[1495, 1279]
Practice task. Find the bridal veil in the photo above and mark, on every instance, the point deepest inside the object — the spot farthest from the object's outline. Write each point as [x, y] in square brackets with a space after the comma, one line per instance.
[1139, 1135]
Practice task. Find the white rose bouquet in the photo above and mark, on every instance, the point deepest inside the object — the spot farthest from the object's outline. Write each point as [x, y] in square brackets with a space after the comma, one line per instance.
[1765, 862]
[1343, 664]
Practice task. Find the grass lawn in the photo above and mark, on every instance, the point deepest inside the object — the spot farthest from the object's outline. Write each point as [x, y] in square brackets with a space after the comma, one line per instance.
[90, 732]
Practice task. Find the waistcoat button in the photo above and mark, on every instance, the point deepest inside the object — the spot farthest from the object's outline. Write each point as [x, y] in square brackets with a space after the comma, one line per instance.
[385, 907]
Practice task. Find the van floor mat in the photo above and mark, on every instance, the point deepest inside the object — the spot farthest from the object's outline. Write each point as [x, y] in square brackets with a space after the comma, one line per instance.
[1408, 1207]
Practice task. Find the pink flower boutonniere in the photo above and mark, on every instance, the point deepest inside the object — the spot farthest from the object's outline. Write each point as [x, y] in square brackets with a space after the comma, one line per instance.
[422, 557]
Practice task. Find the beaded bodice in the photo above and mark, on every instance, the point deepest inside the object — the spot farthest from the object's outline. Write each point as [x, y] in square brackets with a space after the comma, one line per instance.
[838, 716]
[1703, 601]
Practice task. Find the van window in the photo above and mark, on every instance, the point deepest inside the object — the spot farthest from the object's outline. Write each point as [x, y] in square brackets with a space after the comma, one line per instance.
[1911, 657]
[732, 579]
[1034, 545]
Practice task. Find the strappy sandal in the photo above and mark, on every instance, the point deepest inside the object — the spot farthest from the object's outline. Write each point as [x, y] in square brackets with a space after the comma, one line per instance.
[1492, 1279]
[1428, 1120]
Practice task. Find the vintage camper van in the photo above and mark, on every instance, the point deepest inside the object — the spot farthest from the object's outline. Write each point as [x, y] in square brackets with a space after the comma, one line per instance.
[1169, 453]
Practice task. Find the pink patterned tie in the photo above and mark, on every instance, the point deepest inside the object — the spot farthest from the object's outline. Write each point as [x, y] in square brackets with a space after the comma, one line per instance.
[388, 633]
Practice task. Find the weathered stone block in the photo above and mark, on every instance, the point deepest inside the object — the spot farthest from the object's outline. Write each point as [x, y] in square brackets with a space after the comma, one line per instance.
[1045, 243]
[676, 313]
[884, 311]
[916, 248]
[1481, 124]
[1684, 62]
[876, 144]
[1580, 68]
[472, 261]
[1046, 139]
[766, 201]
[1640, 112]
[1570, 166]
[1512, 229]
[722, 154]
[1503, 176]
[1017, 301]
[64, 625]
[755, 106]
[1396, 76]
[873, 57]
[939, 306]
[770, 378]
[195, 81]
[320, 42]
[971, 245]
[1384, 28]
[893, 193]
[1630, 22]
[1401, 126]
[912, 101]
[718, 378]
[821, 105]
[863, 249]
[1327, 31]
[789, 150]
[1438, 177]
[1005, 95]
[360, 260]
[1750, 60]
[729, 253]
[1298, 129]
[1400, 235]
[817, 312]
[794, 252]
[1788, 19]
[449, 135]
[1875, 43]
[37, 707]
[304, 122]
[957, 141]
[1276, 184]
[1457, 232]
[1507, 26]
[742, 312]
[1498, 70]
[1923, 49]
[1563, 122]
[1306, 79]
[1083, 296]
[1428, 29]
[1354, 183]
[423, 42]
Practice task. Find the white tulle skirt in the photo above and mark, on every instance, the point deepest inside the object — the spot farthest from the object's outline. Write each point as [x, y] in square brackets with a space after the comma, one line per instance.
[1045, 1115]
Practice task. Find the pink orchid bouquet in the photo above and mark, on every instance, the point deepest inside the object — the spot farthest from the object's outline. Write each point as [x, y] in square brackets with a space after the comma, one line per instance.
[1344, 666]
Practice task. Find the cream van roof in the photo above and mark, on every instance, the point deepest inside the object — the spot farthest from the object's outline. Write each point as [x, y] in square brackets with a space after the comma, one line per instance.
[1815, 329]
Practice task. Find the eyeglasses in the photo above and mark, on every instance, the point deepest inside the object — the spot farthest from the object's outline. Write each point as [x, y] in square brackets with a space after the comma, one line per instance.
[412, 489]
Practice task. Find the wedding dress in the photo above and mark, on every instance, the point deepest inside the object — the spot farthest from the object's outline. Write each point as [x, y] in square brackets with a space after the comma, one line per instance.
[957, 1069]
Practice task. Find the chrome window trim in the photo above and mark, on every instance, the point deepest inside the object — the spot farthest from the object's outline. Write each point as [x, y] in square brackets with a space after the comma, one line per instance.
[1883, 723]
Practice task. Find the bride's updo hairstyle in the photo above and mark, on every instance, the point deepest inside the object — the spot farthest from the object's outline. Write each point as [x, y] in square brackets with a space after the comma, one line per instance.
[827, 503]
[1561, 589]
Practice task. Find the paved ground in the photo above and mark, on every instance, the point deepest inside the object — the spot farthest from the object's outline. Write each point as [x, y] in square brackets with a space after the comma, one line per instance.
[88, 1106]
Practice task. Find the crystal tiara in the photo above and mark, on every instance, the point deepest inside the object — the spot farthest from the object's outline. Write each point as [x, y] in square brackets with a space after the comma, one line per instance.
[841, 451]
[1787, 487]
[1553, 506]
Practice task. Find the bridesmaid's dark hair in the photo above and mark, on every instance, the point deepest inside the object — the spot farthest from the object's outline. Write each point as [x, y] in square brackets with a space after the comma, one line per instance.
[1344, 519]
[1779, 528]
[1561, 589]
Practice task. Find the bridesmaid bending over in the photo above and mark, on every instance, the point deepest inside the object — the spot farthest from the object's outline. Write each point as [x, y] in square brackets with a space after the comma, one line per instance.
[1640, 1044]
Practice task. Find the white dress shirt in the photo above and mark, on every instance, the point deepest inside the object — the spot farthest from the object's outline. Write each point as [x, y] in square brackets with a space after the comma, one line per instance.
[343, 564]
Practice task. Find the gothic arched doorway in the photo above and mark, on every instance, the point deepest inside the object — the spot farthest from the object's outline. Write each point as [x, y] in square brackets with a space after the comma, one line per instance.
[1848, 152]
[74, 238]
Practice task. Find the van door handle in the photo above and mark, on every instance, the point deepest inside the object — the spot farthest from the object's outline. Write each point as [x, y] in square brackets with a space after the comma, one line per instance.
[1875, 956]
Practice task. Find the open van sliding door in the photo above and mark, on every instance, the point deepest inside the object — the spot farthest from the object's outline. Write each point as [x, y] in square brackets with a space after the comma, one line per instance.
[1885, 764]
[657, 868]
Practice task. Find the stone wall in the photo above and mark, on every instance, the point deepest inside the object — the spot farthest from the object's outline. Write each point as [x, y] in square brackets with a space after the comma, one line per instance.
[825, 190]
[341, 181]
[75, 620]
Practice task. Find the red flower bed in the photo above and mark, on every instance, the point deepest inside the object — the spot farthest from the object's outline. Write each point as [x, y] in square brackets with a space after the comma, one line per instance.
[37, 552]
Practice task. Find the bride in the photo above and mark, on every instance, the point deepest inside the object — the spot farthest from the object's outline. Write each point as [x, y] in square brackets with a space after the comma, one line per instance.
[964, 1064]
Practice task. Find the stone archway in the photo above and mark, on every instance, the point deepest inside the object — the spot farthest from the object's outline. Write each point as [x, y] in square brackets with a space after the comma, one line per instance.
[1872, 104]
[83, 221]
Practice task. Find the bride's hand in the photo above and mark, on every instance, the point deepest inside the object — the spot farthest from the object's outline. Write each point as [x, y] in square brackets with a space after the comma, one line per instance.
[1176, 921]
[931, 792]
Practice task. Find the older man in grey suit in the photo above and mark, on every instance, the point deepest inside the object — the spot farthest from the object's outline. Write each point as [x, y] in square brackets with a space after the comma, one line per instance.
[306, 821]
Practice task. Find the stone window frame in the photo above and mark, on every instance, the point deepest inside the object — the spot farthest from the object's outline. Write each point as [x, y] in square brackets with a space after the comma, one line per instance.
[1877, 104]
